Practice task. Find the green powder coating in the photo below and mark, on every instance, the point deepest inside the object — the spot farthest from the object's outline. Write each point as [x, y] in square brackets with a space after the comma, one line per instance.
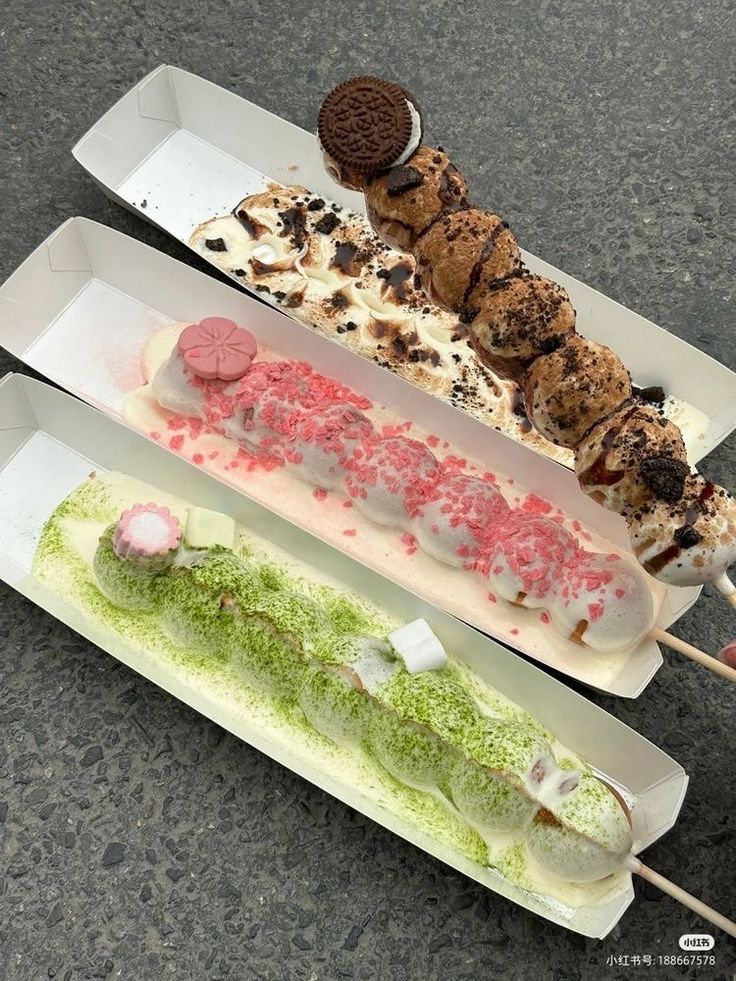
[334, 707]
[513, 864]
[506, 747]
[594, 812]
[130, 586]
[194, 617]
[409, 752]
[347, 616]
[292, 614]
[569, 855]
[265, 659]
[488, 801]
[432, 699]
[567, 763]
[272, 578]
[220, 608]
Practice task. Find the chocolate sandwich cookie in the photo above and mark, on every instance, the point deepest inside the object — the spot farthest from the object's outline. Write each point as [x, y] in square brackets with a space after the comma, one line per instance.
[366, 125]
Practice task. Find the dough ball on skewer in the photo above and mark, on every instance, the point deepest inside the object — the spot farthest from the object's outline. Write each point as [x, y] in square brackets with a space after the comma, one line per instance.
[459, 515]
[388, 478]
[462, 254]
[634, 456]
[569, 391]
[604, 602]
[404, 201]
[520, 318]
[690, 541]
[585, 836]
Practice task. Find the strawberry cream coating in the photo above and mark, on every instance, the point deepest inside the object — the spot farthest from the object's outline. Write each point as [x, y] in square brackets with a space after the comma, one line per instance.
[286, 414]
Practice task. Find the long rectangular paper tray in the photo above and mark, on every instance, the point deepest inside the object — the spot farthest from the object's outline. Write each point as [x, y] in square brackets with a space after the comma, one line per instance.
[80, 307]
[49, 442]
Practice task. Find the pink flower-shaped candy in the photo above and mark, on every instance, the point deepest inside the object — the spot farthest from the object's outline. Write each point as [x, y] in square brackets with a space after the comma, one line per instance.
[146, 531]
[217, 348]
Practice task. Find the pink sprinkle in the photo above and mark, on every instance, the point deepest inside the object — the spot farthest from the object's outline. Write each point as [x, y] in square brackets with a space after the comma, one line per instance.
[410, 551]
[445, 445]
[595, 611]
[198, 459]
[492, 598]
[433, 441]
[620, 593]
[176, 442]
[350, 532]
[513, 631]
[613, 557]
[347, 503]
[155, 435]
[320, 493]
[544, 617]
[408, 539]
[213, 454]
[535, 505]
[576, 525]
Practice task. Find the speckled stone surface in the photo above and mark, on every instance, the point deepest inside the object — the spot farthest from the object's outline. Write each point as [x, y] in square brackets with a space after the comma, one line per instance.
[138, 840]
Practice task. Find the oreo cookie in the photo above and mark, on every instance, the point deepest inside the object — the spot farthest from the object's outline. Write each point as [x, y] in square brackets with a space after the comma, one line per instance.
[365, 125]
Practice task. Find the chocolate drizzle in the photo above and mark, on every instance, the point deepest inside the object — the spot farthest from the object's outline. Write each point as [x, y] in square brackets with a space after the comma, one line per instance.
[519, 409]
[344, 258]
[598, 473]
[686, 536]
[485, 254]
[254, 228]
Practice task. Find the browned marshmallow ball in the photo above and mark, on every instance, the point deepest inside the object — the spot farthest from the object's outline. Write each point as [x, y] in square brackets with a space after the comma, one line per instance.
[461, 254]
[519, 319]
[636, 455]
[688, 542]
[404, 201]
[569, 391]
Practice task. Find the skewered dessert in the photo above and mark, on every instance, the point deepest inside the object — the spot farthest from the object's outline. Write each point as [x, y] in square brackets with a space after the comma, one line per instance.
[397, 697]
[682, 528]
[370, 702]
[323, 265]
[286, 414]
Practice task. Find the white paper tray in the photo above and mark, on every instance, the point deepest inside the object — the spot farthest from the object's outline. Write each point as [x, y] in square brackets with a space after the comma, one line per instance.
[49, 442]
[191, 150]
[81, 306]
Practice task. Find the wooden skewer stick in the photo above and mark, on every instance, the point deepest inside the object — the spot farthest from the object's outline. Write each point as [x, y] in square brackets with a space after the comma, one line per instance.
[696, 905]
[682, 646]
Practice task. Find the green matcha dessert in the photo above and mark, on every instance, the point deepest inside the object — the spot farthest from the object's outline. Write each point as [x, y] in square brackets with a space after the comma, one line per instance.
[427, 736]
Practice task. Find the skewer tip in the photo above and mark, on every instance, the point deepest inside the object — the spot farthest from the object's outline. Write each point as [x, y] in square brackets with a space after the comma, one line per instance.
[685, 898]
[727, 589]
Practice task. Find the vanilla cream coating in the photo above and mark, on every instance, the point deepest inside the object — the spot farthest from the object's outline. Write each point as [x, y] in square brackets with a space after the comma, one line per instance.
[690, 541]
[397, 482]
